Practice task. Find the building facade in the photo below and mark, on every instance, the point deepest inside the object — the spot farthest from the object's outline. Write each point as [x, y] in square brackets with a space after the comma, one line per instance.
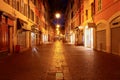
[72, 22]
[68, 23]
[22, 24]
[107, 18]
[97, 26]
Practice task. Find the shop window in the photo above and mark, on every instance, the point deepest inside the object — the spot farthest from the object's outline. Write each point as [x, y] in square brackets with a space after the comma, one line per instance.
[21, 39]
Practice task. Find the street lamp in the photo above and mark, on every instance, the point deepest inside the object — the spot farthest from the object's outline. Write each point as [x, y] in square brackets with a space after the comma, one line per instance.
[57, 29]
[58, 32]
[57, 25]
[57, 15]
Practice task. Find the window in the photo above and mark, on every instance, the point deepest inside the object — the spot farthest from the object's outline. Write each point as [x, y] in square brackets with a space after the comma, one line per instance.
[7, 1]
[92, 9]
[37, 19]
[86, 14]
[31, 15]
[82, 18]
[14, 4]
[78, 4]
[99, 5]
[11, 3]
[22, 6]
[72, 3]
[34, 2]
[25, 9]
[72, 15]
[18, 6]
[28, 11]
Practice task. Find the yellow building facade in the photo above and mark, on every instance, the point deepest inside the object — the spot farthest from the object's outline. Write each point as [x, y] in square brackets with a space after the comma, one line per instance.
[21, 24]
[88, 23]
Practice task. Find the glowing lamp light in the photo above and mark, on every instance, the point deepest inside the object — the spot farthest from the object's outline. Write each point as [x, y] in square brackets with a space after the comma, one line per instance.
[80, 27]
[57, 15]
[58, 32]
[57, 25]
[57, 29]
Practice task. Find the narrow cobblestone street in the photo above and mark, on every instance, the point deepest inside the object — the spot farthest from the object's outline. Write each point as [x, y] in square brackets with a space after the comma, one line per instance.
[59, 40]
[59, 61]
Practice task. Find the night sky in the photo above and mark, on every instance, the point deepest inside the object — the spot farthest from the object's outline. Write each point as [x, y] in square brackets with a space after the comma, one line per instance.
[57, 6]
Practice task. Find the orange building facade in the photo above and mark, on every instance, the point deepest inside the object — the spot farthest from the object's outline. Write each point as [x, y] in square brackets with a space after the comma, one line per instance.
[107, 19]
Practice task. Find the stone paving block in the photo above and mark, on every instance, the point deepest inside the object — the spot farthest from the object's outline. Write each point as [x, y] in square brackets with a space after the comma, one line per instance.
[59, 76]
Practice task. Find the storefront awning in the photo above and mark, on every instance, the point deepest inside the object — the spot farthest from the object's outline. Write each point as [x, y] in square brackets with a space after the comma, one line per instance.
[22, 25]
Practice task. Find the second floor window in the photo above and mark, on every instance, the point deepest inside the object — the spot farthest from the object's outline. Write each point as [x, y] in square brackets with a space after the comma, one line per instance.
[72, 15]
[99, 5]
[92, 9]
[34, 2]
[26, 10]
[18, 6]
[31, 15]
[7, 1]
[72, 3]
[86, 14]
[14, 4]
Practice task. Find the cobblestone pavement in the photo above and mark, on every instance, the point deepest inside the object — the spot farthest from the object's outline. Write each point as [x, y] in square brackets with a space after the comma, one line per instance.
[29, 65]
[86, 64]
[58, 61]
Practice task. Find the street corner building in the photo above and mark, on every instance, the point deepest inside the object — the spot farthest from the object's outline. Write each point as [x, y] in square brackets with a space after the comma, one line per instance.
[23, 24]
